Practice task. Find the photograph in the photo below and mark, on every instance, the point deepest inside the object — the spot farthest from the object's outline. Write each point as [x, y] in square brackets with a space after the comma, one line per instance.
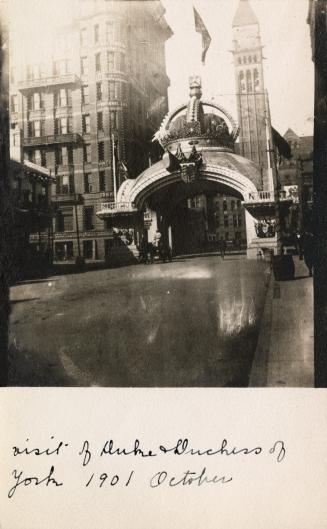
[159, 200]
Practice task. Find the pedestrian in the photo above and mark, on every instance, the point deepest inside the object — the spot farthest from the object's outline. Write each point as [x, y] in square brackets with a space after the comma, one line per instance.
[308, 251]
[222, 248]
[157, 239]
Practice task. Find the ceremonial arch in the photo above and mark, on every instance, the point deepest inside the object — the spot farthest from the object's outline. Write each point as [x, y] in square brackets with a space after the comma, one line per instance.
[199, 159]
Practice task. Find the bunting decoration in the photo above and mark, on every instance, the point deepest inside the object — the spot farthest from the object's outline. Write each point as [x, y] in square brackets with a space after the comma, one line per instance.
[200, 28]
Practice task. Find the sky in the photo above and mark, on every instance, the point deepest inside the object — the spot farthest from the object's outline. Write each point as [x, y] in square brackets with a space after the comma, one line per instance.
[288, 69]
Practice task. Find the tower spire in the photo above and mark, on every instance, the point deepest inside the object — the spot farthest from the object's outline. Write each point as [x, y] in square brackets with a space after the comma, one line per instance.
[244, 15]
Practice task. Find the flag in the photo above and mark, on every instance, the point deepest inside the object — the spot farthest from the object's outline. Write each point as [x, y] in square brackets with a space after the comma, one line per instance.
[200, 28]
[123, 170]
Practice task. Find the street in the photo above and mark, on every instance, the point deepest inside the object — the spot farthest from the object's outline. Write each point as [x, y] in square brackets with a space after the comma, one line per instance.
[192, 322]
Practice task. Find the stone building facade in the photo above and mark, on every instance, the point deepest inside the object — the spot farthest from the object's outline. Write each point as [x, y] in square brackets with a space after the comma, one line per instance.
[90, 114]
[296, 176]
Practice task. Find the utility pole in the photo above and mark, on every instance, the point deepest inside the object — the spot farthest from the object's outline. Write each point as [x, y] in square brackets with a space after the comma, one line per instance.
[114, 165]
[77, 226]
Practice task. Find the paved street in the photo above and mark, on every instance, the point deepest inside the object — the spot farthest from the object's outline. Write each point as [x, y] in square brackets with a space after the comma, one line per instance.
[193, 322]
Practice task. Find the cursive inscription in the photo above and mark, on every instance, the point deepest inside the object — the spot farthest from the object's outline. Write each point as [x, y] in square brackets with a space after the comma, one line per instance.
[32, 480]
[188, 478]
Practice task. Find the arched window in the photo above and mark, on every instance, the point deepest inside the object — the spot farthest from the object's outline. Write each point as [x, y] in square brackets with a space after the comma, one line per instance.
[256, 80]
[248, 81]
[245, 60]
[255, 58]
[242, 82]
[250, 58]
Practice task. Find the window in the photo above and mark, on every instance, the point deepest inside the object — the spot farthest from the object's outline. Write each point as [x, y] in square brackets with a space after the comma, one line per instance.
[87, 152]
[58, 156]
[63, 97]
[83, 37]
[65, 184]
[110, 61]
[86, 123]
[248, 81]
[226, 222]
[84, 66]
[225, 205]
[88, 249]
[100, 121]
[112, 89]
[37, 129]
[96, 33]
[14, 103]
[36, 101]
[109, 31]
[63, 124]
[98, 62]
[64, 220]
[29, 101]
[101, 151]
[68, 218]
[88, 218]
[43, 158]
[37, 157]
[232, 205]
[99, 91]
[256, 80]
[66, 155]
[88, 183]
[64, 250]
[85, 94]
[102, 181]
[113, 119]
[242, 82]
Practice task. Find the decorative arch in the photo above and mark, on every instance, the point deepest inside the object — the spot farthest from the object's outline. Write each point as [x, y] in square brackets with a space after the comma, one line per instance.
[145, 187]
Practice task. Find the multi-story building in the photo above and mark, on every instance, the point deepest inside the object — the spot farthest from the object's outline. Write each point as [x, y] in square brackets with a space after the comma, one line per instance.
[90, 114]
[296, 177]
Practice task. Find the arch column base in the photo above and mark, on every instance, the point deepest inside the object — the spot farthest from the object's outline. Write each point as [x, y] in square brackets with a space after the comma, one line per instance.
[258, 246]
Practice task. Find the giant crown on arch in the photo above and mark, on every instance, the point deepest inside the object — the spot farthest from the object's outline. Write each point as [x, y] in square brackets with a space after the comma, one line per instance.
[202, 123]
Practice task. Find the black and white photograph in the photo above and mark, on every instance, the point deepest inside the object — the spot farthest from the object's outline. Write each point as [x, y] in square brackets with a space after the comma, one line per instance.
[160, 193]
[163, 264]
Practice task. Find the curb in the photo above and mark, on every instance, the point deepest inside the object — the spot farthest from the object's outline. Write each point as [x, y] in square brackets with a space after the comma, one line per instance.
[206, 254]
[258, 375]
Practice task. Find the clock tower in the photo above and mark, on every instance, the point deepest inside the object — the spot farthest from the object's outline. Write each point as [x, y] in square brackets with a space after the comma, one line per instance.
[252, 105]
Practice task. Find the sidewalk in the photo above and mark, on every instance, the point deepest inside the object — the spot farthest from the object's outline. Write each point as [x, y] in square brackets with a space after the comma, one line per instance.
[284, 355]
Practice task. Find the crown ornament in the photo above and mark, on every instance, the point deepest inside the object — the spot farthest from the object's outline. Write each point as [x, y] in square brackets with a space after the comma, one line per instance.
[197, 122]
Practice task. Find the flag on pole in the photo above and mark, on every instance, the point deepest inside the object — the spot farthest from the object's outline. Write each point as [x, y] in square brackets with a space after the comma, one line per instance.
[200, 28]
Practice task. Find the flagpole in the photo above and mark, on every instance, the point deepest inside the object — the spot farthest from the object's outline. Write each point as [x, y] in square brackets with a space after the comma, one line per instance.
[114, 166]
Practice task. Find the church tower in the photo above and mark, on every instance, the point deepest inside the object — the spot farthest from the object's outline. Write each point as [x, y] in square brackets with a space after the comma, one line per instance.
[251, 96]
